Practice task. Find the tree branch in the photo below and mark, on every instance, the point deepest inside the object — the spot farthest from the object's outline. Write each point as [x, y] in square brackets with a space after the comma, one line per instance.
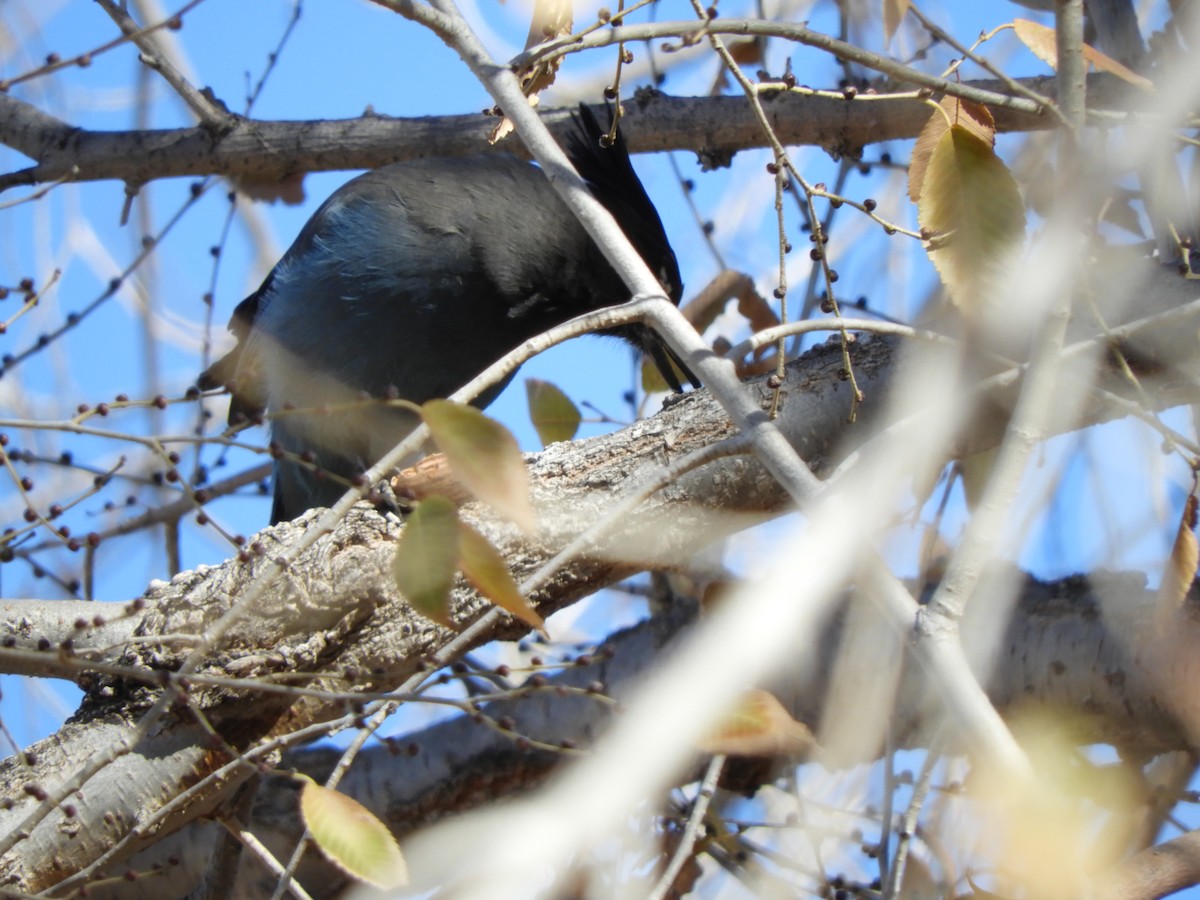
[716, 127]
[1080, 646]
[336, 610]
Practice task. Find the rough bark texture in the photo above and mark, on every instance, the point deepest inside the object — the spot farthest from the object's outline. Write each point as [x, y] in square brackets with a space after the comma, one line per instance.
[274, 151]
[336, 613]
[1076, 648]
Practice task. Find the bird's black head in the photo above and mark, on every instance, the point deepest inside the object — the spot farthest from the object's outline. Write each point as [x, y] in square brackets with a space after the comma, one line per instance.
[609, 174]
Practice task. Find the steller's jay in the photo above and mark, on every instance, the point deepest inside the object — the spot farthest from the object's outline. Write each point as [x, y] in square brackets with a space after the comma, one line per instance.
[408, 282]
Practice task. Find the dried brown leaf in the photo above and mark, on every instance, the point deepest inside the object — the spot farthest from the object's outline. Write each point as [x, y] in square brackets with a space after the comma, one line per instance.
[289, 189]
[485, 568]
[759, 726]
[746, 51]
[551, 19]
[894, 12]
[1181, 566]
[1041, 42]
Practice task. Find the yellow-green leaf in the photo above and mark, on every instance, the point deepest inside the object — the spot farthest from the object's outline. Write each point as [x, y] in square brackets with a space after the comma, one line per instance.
[975, 117]
[483, 456]
[486, 569]
[972, 214]
[1042, 43]
[352, 837]
[652, 379]
[554, 416]
[427, 558]
[759, 726]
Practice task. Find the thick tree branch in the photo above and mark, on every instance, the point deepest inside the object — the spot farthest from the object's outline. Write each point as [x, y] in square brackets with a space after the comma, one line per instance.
[337, 610]
[1157, 871]
[1081, 649]
[715, 127]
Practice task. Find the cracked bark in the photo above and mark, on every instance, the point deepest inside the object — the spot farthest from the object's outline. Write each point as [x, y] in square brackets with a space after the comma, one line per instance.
[337, 611]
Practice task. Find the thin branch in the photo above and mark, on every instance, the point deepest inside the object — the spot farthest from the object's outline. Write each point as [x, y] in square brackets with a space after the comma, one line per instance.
[85, 59]
[695, 820]
[1072, 68]
[212, 115]
[691, 31]
[261, 853]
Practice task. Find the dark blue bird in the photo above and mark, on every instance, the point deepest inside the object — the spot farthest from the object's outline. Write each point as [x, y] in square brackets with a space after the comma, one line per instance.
[408, 282]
